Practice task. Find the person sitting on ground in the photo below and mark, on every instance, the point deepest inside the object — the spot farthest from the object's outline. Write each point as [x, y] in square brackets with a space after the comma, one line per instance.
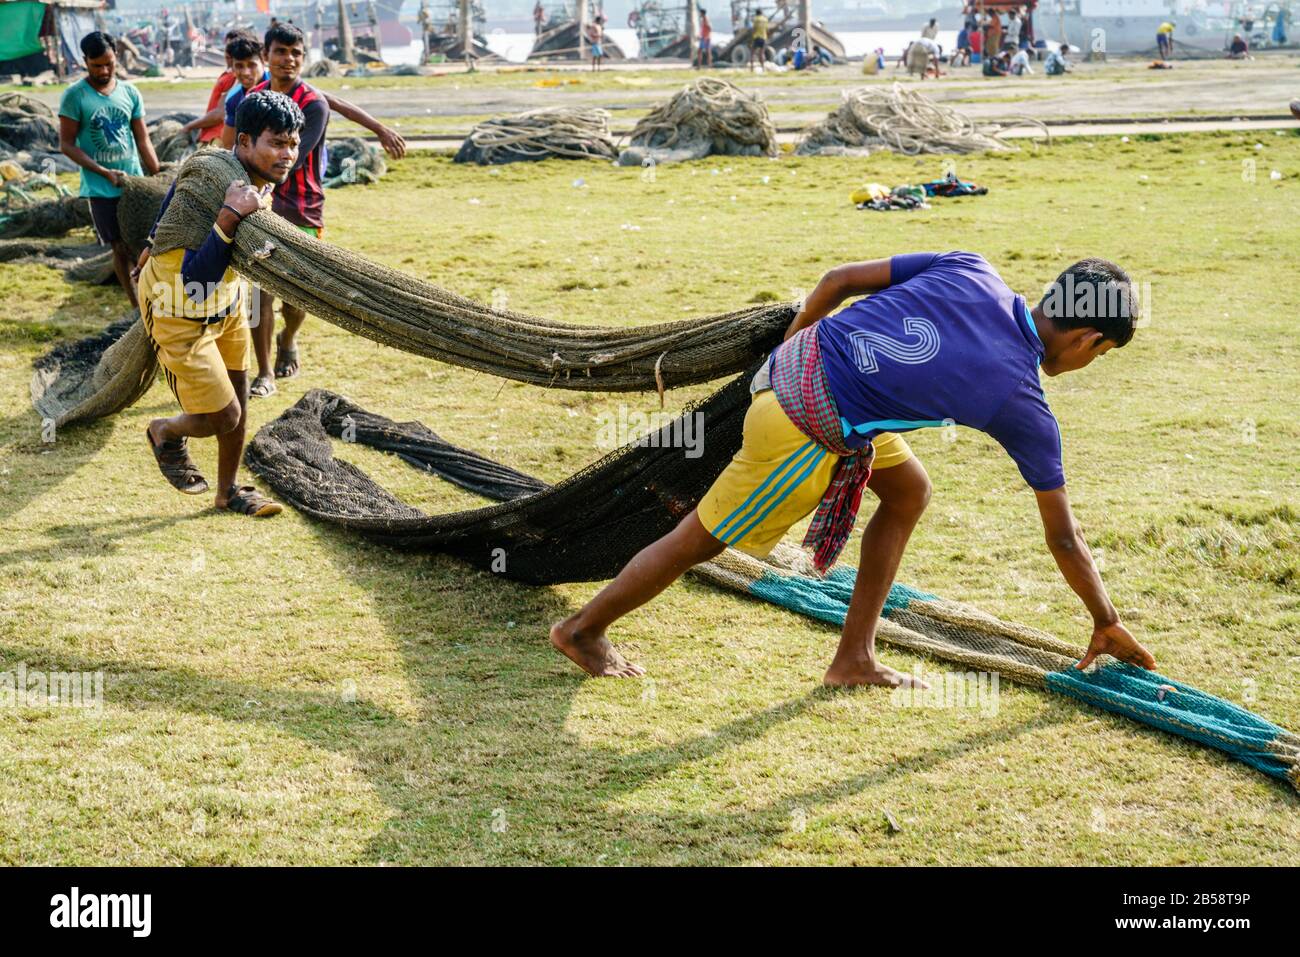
[196, 311]
[1020, 64]
[940, 339]
[997, 64]
[1239, 49]
[821, 57]
[101, 129]
[1057, 64]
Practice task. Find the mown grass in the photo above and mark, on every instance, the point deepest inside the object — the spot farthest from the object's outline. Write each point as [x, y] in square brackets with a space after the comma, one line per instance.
[234, 651]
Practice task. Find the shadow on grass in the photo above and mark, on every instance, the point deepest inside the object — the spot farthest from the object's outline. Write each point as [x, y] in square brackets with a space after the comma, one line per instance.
[36, 467]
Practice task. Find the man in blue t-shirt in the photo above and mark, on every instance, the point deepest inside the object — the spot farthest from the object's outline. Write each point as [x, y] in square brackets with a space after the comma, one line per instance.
[939, 341]
[101, 129]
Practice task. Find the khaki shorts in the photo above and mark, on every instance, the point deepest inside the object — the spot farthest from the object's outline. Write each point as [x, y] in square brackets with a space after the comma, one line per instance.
[195, 357]
[777, 478]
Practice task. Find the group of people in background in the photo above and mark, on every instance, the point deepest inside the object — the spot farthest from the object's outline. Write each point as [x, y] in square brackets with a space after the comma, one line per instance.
[275, 124]
[1001, 51]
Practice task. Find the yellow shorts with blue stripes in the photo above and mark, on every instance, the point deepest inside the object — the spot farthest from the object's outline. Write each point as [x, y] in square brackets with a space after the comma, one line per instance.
[777, 478]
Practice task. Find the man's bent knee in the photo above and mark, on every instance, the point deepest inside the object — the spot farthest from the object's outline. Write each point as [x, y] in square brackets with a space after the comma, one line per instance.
[228, 419]
[905, 488]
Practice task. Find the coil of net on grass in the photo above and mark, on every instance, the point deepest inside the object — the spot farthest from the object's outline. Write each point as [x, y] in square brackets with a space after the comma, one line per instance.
[707, 117]
[563, 132]
[352, 160]
[48, 218]
[27, 124]
[902, 120]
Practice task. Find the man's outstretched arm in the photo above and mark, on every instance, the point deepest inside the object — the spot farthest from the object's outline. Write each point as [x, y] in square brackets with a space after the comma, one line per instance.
[389, 139]
[851, 279]
[1066, 542]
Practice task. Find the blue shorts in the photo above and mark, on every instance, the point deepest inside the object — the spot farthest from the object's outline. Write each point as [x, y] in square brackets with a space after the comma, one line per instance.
[597, 50]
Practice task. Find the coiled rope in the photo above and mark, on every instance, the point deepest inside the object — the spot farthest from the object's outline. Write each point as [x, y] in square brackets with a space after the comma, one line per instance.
[906, 121]
[570, 132]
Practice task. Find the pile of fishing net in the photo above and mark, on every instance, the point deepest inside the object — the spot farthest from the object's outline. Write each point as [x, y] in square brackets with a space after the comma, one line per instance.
[170, 142]
[564, 132]
[707, 117]
[29, 135]
[903, 120]
[48, 218]
[91, 263]
[323, 67]
[589, 525]
[353, 160]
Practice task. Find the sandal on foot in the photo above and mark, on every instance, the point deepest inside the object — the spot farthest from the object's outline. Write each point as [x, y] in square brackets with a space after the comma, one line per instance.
[247, 500]
[262, 387]
[286, 360]
[177, 467]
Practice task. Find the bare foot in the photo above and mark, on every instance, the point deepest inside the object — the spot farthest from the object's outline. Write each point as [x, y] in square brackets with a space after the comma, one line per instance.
[850, 676]
[592, 653]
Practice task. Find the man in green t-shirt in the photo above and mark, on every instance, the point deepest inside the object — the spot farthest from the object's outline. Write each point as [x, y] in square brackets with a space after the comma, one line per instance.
[101, 129]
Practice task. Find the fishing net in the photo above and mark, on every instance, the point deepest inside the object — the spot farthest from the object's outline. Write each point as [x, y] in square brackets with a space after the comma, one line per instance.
[564, 132]
[709, 116]
[51, 217]
[353, 160]
[27, 124]
[83, 263]
[589, 525]
[171, 142]
[96, 376]
[904, 121]
[398, 310]
[320, 68]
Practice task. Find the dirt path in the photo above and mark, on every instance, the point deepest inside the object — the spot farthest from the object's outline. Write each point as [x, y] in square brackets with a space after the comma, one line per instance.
[1120, 88]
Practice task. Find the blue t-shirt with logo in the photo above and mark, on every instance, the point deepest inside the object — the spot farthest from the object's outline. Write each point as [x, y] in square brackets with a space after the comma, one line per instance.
[946, 343]
[104, 131]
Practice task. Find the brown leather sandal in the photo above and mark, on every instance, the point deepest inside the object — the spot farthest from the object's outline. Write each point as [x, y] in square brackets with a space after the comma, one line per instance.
[173, 458]
[247, 500]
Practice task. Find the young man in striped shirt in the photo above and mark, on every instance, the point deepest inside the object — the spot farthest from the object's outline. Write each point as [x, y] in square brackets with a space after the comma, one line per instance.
[939, 341]
[300, 198]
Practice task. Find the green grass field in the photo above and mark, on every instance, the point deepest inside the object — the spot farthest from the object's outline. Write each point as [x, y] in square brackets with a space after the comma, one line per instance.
[282, 693]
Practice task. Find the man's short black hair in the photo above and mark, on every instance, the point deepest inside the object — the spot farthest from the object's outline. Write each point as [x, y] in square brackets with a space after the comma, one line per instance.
[284, 33]
[97, 43]
[243, 46]
[1094, 294]
[267, 110]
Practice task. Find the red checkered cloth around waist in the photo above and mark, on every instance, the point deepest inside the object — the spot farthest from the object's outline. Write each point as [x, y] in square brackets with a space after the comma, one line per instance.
[803, 392]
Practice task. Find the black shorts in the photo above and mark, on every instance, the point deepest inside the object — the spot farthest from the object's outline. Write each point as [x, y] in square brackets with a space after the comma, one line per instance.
[759, 43]
[103, 212]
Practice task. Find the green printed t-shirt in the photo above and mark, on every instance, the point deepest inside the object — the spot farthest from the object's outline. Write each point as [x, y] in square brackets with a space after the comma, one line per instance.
[104, 131]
